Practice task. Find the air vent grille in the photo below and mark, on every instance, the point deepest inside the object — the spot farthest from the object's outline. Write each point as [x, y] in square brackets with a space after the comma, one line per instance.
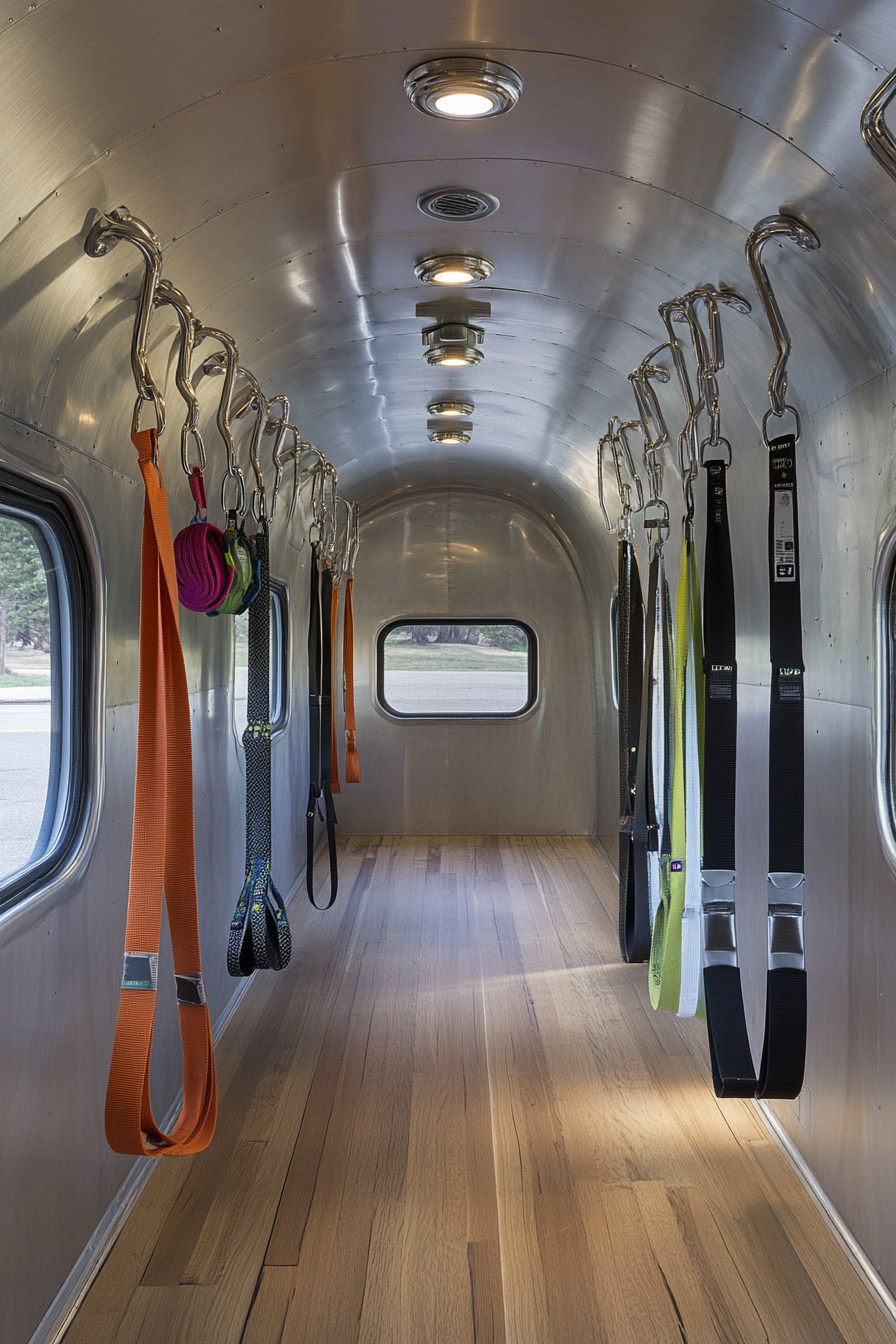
[457, 203]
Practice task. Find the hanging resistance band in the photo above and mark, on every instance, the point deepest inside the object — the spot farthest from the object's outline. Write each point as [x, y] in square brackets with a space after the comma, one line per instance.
[634, 924]
[162, 864]
[334, 647]
[652, 785]
[675, 957]
[352, 763]
[784, 1044]
[320, 704]
[259, 931]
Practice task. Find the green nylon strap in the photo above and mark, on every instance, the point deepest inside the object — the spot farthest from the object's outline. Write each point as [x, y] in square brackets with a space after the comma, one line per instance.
[665, 979]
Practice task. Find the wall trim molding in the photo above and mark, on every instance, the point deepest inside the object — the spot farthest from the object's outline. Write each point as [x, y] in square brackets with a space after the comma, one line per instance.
[867, 1271]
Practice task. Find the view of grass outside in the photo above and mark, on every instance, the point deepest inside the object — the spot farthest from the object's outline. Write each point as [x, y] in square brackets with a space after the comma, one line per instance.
[24, 609]
[24, 694]
[456, 669]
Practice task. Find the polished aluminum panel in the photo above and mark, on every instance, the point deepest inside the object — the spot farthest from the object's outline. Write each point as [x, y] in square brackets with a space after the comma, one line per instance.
[274, 151]
[469, 555]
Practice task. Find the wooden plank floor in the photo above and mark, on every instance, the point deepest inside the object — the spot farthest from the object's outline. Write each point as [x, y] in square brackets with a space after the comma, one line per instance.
[455, 1120]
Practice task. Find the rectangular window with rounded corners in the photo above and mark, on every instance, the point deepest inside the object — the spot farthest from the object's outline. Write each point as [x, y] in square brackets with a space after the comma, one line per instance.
[445, 669]
[278, 665]
[46, 665]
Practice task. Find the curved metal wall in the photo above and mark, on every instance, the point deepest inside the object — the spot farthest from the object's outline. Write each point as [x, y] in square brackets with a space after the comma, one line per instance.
[273, 149]
[468, 555]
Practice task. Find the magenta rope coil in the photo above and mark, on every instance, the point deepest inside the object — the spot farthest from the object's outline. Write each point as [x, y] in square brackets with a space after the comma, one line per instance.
[203, 576]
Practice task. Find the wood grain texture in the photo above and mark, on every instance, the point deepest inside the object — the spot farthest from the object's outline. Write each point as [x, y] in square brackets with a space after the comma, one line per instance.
[456, 1120]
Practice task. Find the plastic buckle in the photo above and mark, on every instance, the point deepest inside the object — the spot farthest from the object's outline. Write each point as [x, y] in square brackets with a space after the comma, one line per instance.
[786, 949]
[718, 910]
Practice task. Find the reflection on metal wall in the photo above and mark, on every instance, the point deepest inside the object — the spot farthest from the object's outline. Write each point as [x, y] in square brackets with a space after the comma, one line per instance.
[59, 978]
[469, 555]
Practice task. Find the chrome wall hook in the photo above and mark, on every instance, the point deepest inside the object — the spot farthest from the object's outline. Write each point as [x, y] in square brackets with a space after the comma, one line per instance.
[806, 239]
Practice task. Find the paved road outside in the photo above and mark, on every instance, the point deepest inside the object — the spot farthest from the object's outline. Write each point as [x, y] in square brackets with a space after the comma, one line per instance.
[24, 770]
[456, 692]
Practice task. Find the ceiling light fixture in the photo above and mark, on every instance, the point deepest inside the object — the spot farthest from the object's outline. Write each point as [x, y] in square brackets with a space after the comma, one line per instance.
[455, 269]
[463, 88]
[453, 344]
[449, 436]
[451, 408]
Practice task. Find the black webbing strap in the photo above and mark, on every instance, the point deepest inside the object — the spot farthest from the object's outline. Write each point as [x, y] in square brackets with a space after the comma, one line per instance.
[634, 926]
[320, 725]
[259, 931]
[784, 1045]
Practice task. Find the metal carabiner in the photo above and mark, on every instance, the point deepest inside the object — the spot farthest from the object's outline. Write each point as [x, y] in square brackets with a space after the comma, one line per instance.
[279, 427]
[168, 294]
[106, 232]
[256, 399]
[805, 238]
[649, 409]
[225, 363]
[623, 461]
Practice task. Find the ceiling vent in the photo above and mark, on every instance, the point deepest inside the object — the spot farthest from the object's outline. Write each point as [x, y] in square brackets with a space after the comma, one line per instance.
[457, 203]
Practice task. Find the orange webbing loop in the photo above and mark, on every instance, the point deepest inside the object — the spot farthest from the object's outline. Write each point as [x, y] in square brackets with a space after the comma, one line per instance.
[162, 863]
[352, 764]
[334, 754]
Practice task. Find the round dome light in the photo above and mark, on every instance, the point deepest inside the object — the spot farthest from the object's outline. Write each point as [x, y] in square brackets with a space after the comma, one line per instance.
[451, 408]
[449, 436]
[463, 88]
[453, 270]
[453, 345]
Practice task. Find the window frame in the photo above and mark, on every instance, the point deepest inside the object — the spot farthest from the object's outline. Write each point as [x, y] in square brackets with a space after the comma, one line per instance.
[74, 615]
[533, 668]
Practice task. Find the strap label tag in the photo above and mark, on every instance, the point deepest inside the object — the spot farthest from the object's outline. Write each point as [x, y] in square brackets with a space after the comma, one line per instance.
[784, 536]
[141, 970]
[190, 990]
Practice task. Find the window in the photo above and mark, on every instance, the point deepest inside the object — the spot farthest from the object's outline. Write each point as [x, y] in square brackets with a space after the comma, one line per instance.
[45, 676]
[443, 669]
[278, 664]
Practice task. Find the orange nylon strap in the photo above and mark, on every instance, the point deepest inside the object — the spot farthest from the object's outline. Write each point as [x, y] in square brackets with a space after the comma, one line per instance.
[352, 764]
[162, 864]
[334, 753]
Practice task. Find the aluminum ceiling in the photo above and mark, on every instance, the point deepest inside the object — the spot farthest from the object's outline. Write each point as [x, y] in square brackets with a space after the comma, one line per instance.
[272, 148]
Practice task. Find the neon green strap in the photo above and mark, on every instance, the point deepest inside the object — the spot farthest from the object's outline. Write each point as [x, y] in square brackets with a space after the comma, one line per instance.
[675, 954]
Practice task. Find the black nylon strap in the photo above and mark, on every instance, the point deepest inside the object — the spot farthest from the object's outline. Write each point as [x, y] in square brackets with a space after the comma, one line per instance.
[720, 667]
[784, 1044]
[260, 938]
[634, 929]
[320, 725]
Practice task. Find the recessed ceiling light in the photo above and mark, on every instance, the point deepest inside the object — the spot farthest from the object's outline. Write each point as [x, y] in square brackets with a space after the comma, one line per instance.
[449, 436]
[453, 270]
[451, 408]
[453, 344]
[463, 88]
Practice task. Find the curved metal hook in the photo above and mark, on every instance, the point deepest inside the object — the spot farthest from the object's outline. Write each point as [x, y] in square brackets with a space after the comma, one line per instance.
[107, 232]
[256, 399]
[168, 294]
[806, 239]
[875, 131]
[646, 400]
[279, 427]
[226, 363]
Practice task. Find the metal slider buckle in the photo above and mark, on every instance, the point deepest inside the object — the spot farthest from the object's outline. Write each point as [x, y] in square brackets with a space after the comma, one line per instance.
[719, 928]
[190, 990]
[786, 950]
[141, 970]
